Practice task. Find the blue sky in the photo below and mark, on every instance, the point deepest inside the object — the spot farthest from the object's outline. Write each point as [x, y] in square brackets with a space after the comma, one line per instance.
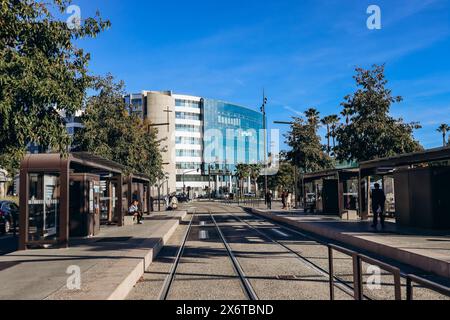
[302, 52]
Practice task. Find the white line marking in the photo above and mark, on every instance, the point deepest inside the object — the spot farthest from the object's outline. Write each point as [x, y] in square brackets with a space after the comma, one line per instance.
[203, 235]
[280, 233]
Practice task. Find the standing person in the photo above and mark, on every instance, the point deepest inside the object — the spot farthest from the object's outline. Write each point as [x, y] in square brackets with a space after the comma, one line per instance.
[269, 200]
[283, 199]
[167, 201]
[134, 211]
[378, 204]
[288, 200]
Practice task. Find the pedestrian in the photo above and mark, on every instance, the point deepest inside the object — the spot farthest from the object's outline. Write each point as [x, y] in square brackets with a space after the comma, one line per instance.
[283, 199]
[134, 211]
[173, 203]
[378, 204]
[167, 202]
[269, 200]
[288, 200]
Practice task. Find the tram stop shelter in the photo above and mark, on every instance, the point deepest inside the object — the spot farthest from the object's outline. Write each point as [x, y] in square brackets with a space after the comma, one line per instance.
[332, 192]
[74, 196]
[417, 186]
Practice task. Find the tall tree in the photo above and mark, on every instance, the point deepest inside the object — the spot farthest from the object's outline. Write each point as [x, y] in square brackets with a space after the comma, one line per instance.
[242, 173]
[42, 72]
[347, 113]
[334, 122]
[111, 132]
[444, 129]
[307, 152]
[372, 132]
[326, 121]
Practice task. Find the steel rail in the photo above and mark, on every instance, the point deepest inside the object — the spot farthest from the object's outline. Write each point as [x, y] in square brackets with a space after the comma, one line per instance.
[171, 276]
[248, 289]
[346, 288]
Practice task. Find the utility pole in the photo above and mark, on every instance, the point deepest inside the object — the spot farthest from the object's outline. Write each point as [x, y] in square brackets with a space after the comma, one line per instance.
[263, 110]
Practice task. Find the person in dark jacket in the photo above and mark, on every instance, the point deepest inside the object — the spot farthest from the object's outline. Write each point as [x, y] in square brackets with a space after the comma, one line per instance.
[269, 200]
[378, 204]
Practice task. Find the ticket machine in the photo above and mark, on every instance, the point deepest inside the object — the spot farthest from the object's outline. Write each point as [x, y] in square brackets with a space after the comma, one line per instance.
[84, 205]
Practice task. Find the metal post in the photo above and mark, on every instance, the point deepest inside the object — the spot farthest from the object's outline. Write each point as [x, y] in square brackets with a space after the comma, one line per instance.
[209, 181]
[331, 272]
[159, 196]
[409, 289]
[357, 278]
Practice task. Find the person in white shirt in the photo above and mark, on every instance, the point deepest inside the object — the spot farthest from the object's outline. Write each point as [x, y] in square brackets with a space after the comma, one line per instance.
[135, 212]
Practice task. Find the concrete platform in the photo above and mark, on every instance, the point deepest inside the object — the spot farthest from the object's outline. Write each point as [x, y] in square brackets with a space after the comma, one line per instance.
[429, 251]
[110, 263]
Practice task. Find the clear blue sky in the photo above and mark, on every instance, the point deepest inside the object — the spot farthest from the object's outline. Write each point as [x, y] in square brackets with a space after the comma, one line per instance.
[302, 52]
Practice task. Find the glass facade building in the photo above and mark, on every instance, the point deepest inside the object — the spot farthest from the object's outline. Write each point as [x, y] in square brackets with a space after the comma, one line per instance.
[205, 138]
[232, 134]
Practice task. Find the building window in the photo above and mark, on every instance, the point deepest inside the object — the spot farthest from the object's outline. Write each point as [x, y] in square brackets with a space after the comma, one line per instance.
[192, 178]
[187, 104]
[189, 153]
[188, 116]
[189, 166]
[187, 128]
[188, 140]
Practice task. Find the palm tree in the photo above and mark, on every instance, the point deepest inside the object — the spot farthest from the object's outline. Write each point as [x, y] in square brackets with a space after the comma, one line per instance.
[327, 121]
[347, 113]
[242, 172]
[255, 172]
[444, 128]
[312, 115]
[334, 121]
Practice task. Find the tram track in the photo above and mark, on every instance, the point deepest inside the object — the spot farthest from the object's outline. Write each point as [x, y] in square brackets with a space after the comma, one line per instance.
[239, 273]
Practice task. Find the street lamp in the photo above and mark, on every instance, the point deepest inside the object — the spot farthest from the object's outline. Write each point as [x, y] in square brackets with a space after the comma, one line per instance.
[290, 123]
[263, 110]
[159, 185]
[184, 174]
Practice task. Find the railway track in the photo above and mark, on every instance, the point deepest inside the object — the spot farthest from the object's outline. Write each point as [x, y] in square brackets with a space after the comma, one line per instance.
[171, 277]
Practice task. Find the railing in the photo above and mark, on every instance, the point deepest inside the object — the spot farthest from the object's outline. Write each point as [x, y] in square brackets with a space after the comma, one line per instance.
[410, 279]
[358, 287]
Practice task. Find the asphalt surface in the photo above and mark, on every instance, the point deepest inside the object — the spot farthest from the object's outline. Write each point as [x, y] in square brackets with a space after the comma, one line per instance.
[278, 262]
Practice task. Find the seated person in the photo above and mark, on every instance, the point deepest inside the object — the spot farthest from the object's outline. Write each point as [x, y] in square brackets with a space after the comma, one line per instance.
[134, 211]
[173, 203]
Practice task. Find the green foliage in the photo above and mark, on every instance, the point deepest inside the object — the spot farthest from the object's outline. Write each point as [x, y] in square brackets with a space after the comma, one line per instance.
[42, 72]
[370, 132]
[244, 171]
[307, 152]
[111, 132]
[444, 129]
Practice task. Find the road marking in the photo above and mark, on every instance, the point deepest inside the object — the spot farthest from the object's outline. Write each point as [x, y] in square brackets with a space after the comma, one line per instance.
[203, 235]
[280, 233]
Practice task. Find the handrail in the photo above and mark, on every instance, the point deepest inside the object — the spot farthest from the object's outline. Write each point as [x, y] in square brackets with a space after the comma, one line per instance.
[357, 275]
[387, 267]
[410, 278]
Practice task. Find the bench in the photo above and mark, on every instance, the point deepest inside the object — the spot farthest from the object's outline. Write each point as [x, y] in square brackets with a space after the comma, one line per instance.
[129, 220]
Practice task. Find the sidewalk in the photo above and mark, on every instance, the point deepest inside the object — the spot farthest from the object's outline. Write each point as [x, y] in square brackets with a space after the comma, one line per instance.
[110, 264]
[426, 250]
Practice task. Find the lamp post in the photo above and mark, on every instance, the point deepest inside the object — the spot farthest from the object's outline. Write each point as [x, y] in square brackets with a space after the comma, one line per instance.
[184, 174]
[290, 123]
[263, 110]
[166, 179]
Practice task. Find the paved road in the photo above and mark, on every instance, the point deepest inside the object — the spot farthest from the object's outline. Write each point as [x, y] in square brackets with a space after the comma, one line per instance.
[277, 262]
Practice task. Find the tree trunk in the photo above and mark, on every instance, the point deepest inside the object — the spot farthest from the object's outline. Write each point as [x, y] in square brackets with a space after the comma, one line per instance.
[328, 136]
